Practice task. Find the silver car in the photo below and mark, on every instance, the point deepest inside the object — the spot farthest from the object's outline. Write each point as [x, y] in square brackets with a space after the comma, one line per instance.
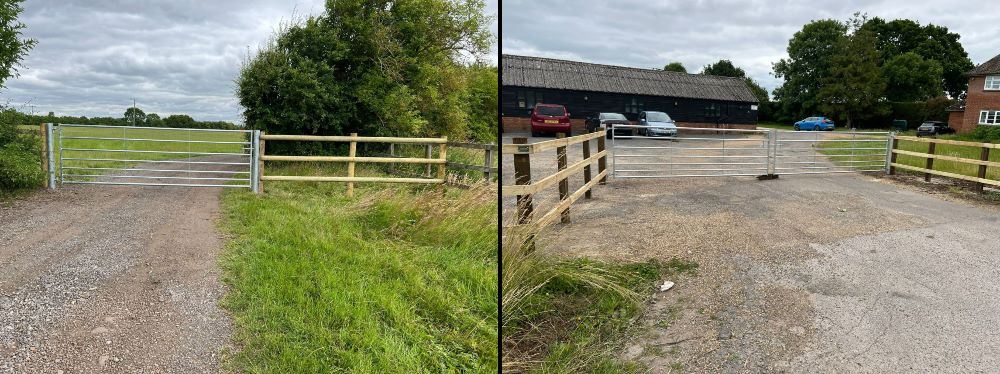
[656, 124]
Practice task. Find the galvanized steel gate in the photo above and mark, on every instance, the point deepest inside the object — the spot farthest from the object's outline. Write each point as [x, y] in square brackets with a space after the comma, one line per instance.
[717, 152]
[153, 156]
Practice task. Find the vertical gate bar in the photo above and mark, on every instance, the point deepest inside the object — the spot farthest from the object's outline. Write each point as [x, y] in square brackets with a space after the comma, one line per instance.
[984, 155]
[254, 161]
[350, 164]
[428, 152]
[443, 155]
[602, 163]
[260, 165]
[930, 161]
[489, 164]
[725, 161]
[815, 147]
[613, 152]
[854, 136]
[586, 168]
[43, 151]
[564, 183]
[522, 176]
[888, 151]
[49, 155]
[60, 165]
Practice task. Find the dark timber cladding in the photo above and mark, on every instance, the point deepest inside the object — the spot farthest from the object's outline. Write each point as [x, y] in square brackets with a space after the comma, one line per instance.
[588, 89]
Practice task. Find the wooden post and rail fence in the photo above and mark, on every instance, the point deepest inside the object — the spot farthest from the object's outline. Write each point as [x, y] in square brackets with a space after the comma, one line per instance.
[352, 158]
[524, 187]
[487, 167]
[983, 162]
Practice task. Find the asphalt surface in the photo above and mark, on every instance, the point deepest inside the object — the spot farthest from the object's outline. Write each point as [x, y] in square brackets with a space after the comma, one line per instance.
[806, 273]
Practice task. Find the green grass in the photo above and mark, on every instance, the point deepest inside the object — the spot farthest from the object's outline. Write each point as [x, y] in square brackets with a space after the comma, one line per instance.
[399, 279]
[156, 134]
[834, 148]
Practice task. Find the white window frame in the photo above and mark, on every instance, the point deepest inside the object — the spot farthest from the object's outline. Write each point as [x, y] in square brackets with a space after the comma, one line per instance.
[989, 117]
[992, 83]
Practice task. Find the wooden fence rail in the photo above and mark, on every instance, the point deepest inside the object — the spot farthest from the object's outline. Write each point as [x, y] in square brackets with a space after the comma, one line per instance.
[352, 158]
[524, 187]
[983, 162]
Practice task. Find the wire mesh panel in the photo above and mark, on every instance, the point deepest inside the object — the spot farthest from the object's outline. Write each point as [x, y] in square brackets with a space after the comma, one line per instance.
[154, 156]
[670, 152]
[819, 152]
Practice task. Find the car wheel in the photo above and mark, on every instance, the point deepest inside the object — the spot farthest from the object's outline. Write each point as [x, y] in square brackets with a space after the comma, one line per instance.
[797, 127]
[816, 128]
[535, 134]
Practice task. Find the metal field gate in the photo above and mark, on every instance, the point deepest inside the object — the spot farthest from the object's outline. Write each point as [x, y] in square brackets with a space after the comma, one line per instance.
[153, 156]
[645, 152]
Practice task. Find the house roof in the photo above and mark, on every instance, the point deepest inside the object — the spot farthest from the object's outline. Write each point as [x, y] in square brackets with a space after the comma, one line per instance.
[525, 71]
[958, 106]
[989, 67]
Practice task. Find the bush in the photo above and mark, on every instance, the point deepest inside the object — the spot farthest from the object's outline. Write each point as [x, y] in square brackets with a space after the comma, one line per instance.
[19, 162]
[986, 134]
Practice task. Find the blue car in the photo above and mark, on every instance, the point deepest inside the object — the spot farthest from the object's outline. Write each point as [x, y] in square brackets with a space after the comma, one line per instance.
[815, 124]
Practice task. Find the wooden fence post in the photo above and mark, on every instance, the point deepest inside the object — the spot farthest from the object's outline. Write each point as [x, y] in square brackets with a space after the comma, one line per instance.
[260, 165]
[44, 152]
[522, 175]
[443, 155]
[984, 155]
[564, 183]
[489, 165]
[586, 168]
[350, 164]
[892, 156]
[930, 161]
[602, 163]
[392, 153]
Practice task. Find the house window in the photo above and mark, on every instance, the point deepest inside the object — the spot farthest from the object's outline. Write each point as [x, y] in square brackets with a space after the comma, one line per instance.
[633, 105]
[528, 99]
[713, 110]
[992, 82]
[989, 117]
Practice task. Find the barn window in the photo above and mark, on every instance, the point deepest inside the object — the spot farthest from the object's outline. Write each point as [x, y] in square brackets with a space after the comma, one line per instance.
[633, 105]
[713, 110]
[520, 99]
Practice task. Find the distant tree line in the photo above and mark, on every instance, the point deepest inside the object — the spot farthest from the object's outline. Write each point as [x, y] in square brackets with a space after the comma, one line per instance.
[131, 117]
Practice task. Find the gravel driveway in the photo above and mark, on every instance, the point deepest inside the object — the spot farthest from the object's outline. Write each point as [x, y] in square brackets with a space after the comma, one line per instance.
[113, 278]
[807, 273]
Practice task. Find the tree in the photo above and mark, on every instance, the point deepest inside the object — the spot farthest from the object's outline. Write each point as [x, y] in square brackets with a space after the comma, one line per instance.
[854, 86]
[911, 78]
[809, 53]
[178, 120]
[153, 120]
[723, 68]
[482, 100]
[931, 42]
[13, 47]
[134, 116]
[374, 67]
[675, 66]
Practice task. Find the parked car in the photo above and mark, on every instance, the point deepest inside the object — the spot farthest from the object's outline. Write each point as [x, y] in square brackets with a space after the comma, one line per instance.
[549, 118]
[656, 124]
[815, 124]
[931, 128]
[606, 121]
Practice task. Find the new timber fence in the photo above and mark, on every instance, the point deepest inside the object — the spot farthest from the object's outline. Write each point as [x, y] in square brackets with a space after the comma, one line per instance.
[468, 161]
[525, 187]
[951, 162]
[352, 159]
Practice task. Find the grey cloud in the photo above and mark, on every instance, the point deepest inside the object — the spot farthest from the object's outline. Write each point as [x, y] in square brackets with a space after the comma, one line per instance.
[751, 33]
[94, 56]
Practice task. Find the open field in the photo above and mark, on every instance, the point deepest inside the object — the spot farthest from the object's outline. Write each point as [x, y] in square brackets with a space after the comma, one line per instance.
[941, 149]
[161, 143]
[399, 279]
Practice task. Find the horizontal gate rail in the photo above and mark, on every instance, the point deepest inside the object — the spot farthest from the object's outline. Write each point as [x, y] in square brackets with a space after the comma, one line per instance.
[162, 184]
[152, 128]
[159, 170]
[158, 152]
[156, 140]
[153, 177]
[156, 161]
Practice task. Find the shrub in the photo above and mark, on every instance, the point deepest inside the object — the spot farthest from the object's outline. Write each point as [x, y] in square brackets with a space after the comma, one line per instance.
[19, 162]
[986, 134]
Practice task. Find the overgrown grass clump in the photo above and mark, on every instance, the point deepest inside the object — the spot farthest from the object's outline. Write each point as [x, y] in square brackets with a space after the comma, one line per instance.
[569, 315]
[399, 279]
[20, 160]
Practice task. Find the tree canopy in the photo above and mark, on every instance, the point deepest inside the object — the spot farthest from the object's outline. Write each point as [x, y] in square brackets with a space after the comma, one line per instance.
[910, 77]
[135, 116]
[13, 46]
[725, 68]
[809, 53]
[675, 66]
[854, 85]
[932, 43]
[372, 67]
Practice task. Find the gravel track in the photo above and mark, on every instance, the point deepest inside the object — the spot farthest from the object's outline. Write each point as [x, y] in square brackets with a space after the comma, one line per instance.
[112, 278]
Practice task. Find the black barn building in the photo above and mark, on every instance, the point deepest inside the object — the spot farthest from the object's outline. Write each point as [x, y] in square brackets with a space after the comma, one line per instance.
[693, 100]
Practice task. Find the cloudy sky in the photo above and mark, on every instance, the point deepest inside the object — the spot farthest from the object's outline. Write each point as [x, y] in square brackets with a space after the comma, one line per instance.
[172, 56]
[751, 33]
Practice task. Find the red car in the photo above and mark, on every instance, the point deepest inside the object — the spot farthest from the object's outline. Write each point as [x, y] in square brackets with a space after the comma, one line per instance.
[549, 118]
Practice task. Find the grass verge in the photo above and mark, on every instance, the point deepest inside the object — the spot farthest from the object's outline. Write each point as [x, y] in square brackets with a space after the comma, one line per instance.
[569, 315]
[399, 279]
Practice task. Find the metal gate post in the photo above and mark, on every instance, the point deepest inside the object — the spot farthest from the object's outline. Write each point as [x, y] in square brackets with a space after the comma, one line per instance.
[254, 160]
[51, 154]
[772, 151]
[889, 141]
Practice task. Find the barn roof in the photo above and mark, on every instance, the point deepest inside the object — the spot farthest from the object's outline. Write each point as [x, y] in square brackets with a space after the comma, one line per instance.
[989, 67]
[525, 71]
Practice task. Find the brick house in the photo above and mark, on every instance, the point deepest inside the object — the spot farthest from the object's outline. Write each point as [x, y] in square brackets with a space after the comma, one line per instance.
[982, 102]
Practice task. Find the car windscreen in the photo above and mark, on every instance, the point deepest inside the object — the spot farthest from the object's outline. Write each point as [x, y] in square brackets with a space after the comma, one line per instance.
[612, 116]
[657, 117]
[551, 111]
